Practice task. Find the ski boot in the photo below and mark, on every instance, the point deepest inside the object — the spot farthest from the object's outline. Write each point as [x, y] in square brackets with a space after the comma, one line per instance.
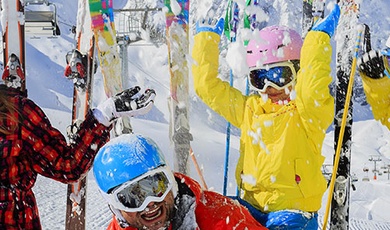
[13, 74]
[76, 68]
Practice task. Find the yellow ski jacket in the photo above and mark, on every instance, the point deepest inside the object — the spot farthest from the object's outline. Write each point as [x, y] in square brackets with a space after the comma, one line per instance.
[280, 146]
[378, 96]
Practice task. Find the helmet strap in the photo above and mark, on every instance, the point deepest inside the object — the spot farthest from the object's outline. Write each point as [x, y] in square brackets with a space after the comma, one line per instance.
[118, 215]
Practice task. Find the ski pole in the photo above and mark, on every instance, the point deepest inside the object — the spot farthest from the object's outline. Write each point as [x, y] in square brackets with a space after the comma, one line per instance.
[343, 124]
[232, 22]
[198, 169]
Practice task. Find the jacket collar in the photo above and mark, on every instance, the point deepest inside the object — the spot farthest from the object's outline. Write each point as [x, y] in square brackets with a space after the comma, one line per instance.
[12, 91]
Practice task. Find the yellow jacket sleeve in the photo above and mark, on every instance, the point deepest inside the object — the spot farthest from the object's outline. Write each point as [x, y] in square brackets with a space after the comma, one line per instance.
[217, 94]
[378, 96]
[314, 103]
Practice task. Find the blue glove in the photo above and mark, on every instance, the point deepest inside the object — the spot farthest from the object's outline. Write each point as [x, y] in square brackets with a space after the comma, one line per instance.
[386, 54]
[210, 25]
[386, 51]
[329, 24]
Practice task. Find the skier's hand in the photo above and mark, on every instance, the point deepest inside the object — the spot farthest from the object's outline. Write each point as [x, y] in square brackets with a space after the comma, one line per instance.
[126, 103]
[371, 64]
[329, 24]
[210, 25]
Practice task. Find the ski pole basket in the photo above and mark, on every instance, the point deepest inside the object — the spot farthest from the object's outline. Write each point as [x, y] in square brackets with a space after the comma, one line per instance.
[41, 22]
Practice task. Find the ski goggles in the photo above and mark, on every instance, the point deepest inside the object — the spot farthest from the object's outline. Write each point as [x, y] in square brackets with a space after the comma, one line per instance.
[135, 195]
[278, 76]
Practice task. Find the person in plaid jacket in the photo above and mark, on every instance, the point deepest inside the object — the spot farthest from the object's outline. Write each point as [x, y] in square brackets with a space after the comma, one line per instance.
[29, 146]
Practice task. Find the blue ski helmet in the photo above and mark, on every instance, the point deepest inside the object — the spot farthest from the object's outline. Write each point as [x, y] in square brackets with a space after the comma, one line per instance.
[124, 158]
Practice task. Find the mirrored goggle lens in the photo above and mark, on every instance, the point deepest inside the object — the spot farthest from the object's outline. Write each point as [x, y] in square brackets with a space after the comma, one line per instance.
[135, 194]
[280, 76]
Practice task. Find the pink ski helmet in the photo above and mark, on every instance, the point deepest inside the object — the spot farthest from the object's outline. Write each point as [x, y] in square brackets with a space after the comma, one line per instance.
[275, 44]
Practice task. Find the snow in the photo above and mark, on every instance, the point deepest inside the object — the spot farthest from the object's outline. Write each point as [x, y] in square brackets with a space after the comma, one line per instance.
[45, 58]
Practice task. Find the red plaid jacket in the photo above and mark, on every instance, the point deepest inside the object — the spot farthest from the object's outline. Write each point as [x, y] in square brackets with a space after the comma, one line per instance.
[38, 148]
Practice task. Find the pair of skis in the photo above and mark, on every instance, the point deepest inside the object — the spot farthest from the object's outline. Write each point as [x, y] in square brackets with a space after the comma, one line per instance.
[80, 68]
[95, 34]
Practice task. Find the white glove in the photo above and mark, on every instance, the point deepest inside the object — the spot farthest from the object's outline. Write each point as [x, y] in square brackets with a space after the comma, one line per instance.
[125, 104]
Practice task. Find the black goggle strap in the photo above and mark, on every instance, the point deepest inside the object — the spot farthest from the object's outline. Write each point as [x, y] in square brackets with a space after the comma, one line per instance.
[118, 215]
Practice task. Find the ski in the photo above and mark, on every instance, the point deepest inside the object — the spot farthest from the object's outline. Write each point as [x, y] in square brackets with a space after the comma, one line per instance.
[311, 12]
[251, 21]
[307, 16]
[346, 40]
[80, 68]
[230, 31]
[13, 43]
[177, 28]
[103, 27]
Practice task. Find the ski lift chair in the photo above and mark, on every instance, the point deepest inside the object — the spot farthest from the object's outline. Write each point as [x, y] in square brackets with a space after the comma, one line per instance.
[42, 22]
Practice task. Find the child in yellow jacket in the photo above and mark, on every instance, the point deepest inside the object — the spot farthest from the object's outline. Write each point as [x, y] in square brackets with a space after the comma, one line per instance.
[284, 125]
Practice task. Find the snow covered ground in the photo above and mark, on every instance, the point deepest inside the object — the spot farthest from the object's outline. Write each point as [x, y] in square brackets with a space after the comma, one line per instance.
[45, 58]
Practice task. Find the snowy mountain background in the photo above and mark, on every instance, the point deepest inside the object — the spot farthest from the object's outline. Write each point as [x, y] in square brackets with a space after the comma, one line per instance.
[47, 86]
